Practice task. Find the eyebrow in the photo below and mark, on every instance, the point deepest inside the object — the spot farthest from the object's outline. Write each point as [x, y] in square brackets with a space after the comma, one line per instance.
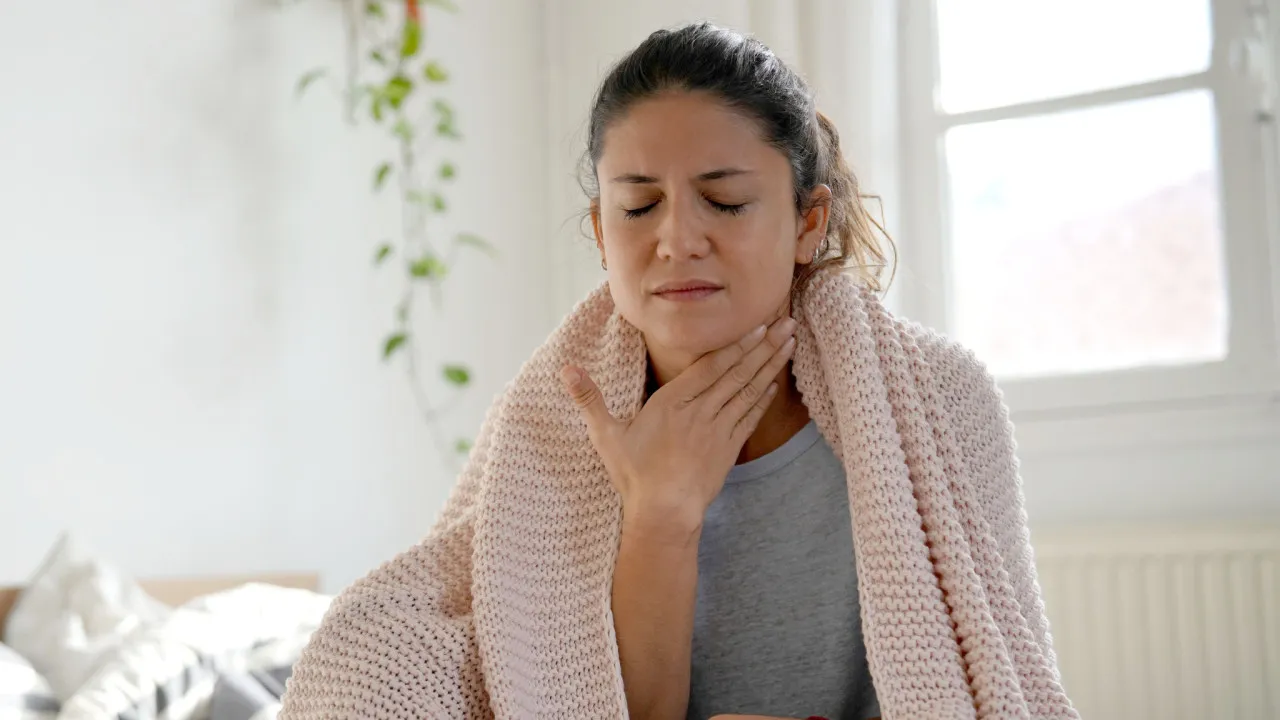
[634, 179]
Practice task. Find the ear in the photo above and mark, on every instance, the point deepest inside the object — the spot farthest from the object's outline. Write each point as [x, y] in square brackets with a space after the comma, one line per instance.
[596, 227]
[812, 227]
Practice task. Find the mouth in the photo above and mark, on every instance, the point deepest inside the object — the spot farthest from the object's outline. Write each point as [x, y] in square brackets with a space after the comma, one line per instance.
[687, 290]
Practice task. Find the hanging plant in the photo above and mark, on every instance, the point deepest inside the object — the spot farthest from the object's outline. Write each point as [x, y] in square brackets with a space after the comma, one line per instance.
[391, 81]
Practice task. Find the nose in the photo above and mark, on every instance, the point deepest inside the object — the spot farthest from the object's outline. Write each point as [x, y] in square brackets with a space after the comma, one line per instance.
[681, 235]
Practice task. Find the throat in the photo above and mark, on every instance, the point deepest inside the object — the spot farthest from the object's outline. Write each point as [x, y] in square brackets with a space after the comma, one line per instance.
[785, 417]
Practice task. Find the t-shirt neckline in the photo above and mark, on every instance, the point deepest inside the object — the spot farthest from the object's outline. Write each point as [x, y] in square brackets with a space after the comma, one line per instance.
[776, 460]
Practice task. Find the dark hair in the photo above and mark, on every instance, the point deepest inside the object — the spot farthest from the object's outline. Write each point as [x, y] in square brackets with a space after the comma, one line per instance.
[746, 75]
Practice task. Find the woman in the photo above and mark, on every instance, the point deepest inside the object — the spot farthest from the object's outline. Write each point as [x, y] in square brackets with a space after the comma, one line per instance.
[671, 534]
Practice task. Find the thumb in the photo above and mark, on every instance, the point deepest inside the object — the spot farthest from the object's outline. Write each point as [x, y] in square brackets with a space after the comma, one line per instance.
[588, 398]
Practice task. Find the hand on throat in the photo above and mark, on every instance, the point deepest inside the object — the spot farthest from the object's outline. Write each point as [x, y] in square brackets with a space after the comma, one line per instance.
[786, 415]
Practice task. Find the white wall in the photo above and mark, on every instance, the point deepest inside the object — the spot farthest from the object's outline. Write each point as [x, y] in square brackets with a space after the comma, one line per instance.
[189, 321]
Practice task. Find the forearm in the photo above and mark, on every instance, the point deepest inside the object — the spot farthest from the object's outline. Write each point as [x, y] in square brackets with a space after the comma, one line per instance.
[654, 589]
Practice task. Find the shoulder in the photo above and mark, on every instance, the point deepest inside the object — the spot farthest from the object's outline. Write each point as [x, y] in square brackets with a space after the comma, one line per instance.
[955, 371]
[984, 435]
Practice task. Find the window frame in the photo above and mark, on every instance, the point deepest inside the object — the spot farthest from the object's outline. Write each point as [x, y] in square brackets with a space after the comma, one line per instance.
[1248, 173]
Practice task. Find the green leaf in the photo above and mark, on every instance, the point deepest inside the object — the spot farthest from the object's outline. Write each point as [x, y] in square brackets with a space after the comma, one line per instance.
[457, 375]
[428, 267]
[397, 89]
[447, 170]
[305, 81]
[462, 447]
[383, 251]
[411, 40]
[393, 343]
[477, 242]
[435, 72]
[375, 108]
[434, 199]
[445, 119]
[380, 175]
[378, 57]
[374, 9]
[403, 130]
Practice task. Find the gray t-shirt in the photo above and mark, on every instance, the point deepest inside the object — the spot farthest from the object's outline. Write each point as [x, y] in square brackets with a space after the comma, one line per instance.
[776, 629]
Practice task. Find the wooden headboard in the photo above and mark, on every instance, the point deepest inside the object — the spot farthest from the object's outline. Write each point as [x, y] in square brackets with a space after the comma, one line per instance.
[176, 591]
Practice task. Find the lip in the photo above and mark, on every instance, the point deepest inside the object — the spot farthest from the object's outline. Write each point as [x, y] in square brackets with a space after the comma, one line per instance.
[687, 290]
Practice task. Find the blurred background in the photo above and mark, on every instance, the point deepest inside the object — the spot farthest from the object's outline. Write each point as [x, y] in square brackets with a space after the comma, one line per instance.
[264, 264]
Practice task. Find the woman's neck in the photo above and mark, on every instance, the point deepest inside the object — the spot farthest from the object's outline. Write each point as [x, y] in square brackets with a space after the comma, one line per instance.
[784, 417]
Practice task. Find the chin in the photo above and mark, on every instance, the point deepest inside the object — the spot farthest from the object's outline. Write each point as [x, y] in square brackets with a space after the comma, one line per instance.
[693, 336]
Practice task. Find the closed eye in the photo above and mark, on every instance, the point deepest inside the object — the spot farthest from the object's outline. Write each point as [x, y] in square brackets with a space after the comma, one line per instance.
[637, 212]
[726, 208]
[729, 209]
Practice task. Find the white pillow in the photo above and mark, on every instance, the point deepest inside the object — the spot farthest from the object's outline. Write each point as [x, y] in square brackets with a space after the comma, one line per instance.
[74, 615]
[249, 615]
[169, 671]
[24, 694]
[151, 677]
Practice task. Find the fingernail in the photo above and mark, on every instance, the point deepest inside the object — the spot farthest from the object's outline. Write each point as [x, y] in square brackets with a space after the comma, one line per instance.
[757, 333]
[570, 376]
[788, 346]
[789, 324]
[773, 388]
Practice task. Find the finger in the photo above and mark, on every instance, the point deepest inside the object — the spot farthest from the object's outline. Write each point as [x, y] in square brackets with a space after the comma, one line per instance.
[706, 370]
[742, 402]
[590, 401]
[751, 420]
[739, 377]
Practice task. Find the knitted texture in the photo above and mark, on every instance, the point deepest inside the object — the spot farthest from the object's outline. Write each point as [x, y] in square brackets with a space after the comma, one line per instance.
[504, 609]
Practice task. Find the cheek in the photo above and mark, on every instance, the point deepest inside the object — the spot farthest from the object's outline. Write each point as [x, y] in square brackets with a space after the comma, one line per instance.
[625, 254]
[768, 280]
[765, 249]
[625, 250]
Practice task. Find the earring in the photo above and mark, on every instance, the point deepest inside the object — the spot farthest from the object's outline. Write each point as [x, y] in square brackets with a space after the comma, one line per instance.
[603, 265]
[816, 252]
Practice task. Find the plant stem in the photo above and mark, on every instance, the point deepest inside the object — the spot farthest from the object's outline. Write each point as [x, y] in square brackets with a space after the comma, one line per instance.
[351, 13]
[414, 241]
[412, 228]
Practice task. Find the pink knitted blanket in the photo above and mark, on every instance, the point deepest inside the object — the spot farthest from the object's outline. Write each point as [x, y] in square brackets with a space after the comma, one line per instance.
[504, 609]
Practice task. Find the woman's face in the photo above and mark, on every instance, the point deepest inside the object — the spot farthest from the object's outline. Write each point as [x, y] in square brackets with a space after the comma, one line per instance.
[697, 223]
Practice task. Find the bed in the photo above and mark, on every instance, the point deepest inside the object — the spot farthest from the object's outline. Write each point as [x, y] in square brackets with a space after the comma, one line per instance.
[178, 591]
[186, 648]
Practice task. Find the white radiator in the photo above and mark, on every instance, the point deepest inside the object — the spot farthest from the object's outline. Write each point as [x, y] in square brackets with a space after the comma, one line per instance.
[1166, 623]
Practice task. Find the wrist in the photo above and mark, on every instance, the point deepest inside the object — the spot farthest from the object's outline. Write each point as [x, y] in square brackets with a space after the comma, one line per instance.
[676, 526]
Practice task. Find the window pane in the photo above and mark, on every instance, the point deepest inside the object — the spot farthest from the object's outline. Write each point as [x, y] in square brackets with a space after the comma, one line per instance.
[1089, 240]
[1001, 52]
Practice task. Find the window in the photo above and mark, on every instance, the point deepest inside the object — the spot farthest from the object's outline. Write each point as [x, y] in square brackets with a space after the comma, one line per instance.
[1090, 194]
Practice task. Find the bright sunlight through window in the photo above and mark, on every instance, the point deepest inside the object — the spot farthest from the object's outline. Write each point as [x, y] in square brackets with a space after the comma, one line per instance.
[1086, 237]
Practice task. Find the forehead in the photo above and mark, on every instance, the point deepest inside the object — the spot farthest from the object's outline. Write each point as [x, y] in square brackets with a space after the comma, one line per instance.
[683, 130]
